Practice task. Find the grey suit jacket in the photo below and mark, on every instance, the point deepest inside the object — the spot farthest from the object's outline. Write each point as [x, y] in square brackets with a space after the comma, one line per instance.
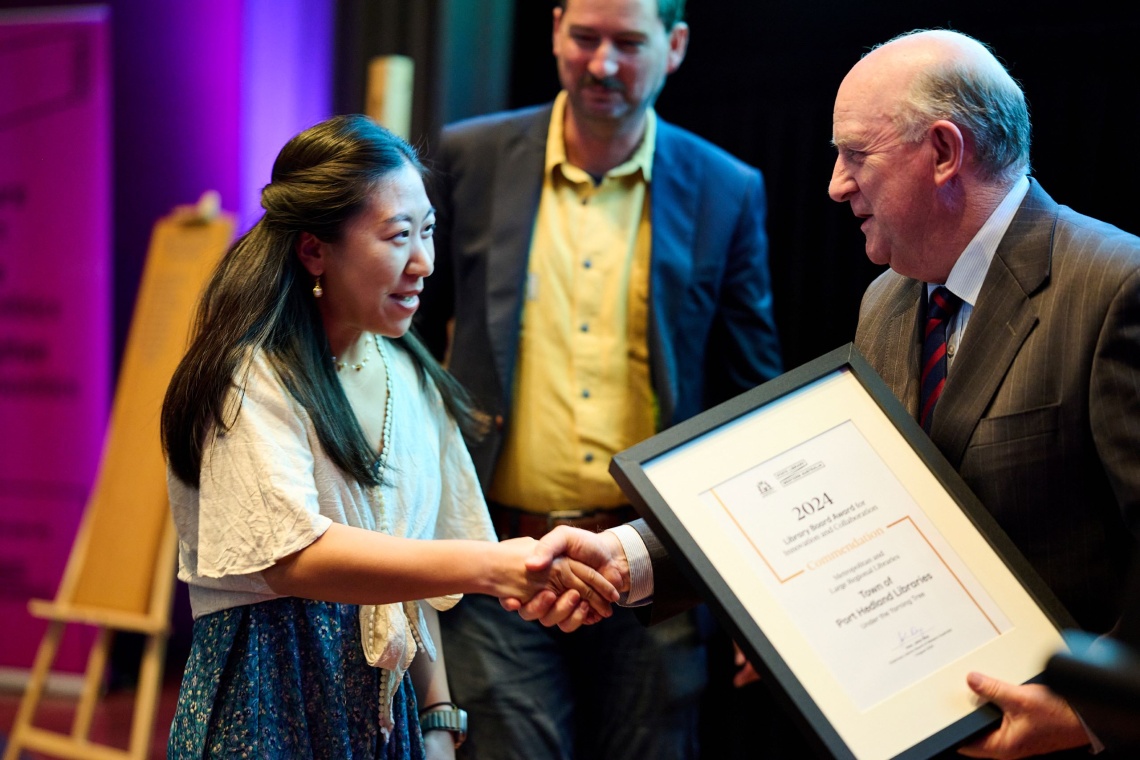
[1041, 409]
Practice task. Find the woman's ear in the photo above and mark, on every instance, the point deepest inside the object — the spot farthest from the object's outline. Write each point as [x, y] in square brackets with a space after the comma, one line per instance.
[311, 252]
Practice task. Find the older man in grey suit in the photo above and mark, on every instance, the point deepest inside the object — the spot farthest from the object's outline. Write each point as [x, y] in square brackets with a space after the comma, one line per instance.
[1010, 327]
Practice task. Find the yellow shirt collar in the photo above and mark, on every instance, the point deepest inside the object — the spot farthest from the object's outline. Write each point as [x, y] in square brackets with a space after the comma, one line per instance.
[642, 158]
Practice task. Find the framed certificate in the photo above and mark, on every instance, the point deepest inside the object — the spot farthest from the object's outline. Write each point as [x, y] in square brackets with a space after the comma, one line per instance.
[847, 558]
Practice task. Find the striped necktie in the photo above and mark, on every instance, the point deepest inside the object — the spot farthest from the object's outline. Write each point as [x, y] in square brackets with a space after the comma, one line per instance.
[940, 309]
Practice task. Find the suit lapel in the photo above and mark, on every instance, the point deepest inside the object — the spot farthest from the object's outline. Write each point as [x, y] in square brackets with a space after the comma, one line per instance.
[516, 191]
[1002, 320]
[673, 219]
[902, 348]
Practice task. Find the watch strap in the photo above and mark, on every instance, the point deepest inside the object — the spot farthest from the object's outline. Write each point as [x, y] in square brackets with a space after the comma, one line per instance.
[453, 720]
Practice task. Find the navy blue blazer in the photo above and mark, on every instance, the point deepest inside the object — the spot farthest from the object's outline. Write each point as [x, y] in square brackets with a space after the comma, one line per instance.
[711, 330]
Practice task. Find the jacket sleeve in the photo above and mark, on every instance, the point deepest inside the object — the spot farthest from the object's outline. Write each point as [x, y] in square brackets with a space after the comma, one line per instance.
[672, 593]
[744, 347]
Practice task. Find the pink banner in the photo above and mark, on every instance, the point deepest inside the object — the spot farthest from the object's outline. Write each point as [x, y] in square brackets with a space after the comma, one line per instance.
[55, 338]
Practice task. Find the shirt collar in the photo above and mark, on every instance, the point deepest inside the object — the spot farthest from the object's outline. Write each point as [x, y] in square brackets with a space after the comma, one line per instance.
[969, 271]
[641, 160]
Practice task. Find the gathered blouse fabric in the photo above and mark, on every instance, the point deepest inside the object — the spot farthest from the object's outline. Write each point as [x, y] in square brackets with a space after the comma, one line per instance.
[267, 490]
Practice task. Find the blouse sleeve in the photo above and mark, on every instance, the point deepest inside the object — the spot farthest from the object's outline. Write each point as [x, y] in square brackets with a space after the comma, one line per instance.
[257, 494]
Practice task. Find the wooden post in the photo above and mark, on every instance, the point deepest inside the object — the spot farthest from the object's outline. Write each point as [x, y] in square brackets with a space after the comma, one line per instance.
[389, 93]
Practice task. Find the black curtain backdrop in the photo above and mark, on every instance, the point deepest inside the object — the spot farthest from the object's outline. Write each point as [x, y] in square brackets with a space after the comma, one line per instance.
[760, 81]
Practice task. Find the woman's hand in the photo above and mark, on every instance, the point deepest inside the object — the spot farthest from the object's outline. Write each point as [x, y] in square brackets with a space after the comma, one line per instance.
[601, 551]
[563, 577]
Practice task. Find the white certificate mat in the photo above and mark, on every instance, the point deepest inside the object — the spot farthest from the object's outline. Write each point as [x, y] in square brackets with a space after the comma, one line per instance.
[837, 550]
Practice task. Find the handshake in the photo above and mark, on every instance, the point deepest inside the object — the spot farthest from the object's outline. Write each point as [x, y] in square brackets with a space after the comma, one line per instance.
[571, 577]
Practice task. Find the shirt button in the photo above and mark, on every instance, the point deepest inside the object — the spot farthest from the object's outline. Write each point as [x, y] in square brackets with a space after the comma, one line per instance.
[589, 457]
[587, 264]
[585, 327]
[585, 393]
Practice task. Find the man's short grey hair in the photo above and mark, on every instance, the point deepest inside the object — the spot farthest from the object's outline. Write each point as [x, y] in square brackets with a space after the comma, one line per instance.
[981, 98]
[671, 12]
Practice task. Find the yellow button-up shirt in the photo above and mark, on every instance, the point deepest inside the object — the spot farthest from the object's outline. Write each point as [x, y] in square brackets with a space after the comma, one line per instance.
[582, 390]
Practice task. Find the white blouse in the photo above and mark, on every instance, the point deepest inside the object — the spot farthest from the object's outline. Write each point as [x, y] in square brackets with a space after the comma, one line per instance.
[267, 489]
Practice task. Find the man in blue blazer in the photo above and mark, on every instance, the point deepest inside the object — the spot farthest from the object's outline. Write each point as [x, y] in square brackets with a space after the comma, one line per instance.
[607, 276]
[712, 335]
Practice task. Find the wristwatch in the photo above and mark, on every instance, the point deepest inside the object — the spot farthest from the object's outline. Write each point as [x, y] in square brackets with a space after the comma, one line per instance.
[453, 720]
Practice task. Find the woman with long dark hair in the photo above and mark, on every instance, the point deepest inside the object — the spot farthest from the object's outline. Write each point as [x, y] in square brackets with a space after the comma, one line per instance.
[315, 456]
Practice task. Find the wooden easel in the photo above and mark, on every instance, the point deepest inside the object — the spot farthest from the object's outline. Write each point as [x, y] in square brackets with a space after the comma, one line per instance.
[120, 573]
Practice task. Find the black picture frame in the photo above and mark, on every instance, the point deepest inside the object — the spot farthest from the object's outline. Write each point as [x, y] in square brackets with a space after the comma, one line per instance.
[628, 468]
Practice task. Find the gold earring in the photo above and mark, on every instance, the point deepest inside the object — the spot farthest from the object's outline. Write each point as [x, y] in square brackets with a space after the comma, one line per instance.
[318, 291]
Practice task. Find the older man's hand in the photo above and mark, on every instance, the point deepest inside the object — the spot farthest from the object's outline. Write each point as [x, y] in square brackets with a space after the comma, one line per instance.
[600, 551]
[1034, 721]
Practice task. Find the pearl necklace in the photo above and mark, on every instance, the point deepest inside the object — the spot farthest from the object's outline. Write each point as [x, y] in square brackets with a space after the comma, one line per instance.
[341, 365]
[384, 526]
[385, 441]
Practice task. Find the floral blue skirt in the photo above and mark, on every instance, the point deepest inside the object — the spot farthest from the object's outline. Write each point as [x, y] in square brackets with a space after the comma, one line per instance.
[286, 679]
